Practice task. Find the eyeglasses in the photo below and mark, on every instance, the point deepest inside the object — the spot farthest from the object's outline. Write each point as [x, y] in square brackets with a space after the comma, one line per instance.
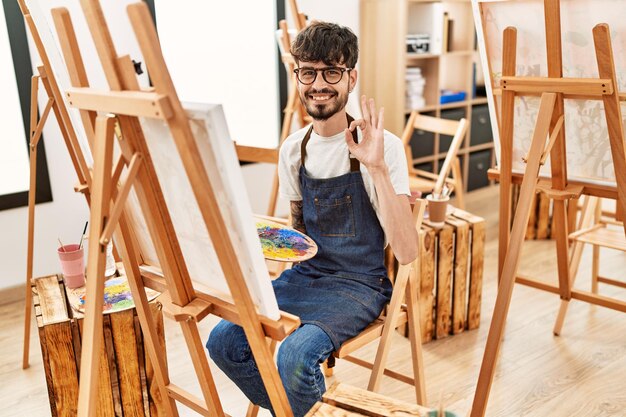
[332, 75]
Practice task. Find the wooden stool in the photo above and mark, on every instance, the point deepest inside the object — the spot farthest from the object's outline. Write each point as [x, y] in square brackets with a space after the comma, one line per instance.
[127, 385]
[342, 400]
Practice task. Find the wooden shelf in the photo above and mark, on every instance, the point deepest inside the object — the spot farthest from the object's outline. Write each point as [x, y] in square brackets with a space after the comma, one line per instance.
[414, 56]
[453, 105]
[385, 61]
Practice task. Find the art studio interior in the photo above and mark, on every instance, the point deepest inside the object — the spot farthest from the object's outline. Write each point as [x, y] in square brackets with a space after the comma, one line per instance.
[313, 208]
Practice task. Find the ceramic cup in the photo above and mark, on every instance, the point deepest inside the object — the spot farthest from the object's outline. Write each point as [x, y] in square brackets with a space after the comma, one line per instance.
[73, 265]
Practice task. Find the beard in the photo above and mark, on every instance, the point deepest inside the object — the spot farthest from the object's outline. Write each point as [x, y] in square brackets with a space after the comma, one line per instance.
[322, 112]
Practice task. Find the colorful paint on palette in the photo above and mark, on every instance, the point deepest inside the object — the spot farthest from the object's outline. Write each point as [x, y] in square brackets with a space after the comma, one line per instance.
[117, 296]
[282, 243]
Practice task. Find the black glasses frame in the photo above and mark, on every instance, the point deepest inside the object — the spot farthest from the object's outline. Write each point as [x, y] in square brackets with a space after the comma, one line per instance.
[323, 71]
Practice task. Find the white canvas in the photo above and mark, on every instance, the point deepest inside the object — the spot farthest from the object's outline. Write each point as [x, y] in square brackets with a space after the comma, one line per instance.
[219, 157]
[588, 150]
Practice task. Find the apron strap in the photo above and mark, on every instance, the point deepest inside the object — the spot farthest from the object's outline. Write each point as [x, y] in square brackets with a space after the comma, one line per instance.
[355, 165]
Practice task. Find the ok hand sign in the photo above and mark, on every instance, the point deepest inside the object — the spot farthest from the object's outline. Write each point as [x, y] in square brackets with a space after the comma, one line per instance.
[370, 150]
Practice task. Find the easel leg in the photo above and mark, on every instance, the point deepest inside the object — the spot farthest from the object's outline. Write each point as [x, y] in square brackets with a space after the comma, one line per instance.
[201, 366]
[35, 134]
[92, 328]
[31, 221]
[506, 146]
[505, 289]
[253, 409]
[595, 260]
[415, 334]
[156, 352]
[28, 305]
[290, 108]
[613, 112]
[574, 263]
[393, 311]
[560, 235]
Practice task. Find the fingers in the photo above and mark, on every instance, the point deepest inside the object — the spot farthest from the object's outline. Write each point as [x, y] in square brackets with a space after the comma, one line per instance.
[374, 118]
[349, 141]
[370, 115]
[360, 123]
[381, 118]
[364, 108]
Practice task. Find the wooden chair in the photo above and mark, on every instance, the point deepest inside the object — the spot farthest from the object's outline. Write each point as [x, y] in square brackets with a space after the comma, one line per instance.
[396, 314]
[600, 230]
[424, 181]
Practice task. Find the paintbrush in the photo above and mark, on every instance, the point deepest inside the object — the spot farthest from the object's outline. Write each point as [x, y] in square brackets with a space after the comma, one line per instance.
[80, 245]
[61, 243]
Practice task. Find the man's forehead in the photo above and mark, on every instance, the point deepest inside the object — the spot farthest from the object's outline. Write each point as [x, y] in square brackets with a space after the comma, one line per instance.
[319, 64]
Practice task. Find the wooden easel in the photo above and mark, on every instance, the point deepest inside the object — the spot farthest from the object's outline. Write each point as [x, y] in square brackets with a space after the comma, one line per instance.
[56, 103]
[124, 104]
[553, 90]
[293, 103]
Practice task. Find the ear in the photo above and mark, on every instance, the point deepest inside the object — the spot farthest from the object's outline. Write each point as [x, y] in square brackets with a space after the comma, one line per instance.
[353, 78]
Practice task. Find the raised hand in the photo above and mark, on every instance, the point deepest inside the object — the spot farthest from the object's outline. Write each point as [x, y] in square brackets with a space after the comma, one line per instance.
[370, 149]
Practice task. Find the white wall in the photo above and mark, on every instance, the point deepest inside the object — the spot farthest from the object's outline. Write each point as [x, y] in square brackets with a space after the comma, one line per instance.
[62, 218]
[225, 52]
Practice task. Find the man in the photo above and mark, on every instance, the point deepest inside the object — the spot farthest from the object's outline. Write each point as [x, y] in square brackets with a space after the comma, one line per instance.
[348, 197]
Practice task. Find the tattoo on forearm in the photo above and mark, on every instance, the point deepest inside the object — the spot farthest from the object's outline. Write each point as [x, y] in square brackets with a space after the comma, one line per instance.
[297, 219]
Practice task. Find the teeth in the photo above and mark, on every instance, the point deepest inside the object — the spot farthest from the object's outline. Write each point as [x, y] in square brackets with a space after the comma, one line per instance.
[320, 97]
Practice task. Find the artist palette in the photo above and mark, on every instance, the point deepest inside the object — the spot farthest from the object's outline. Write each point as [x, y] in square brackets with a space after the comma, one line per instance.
[117, 296]
[283, 243]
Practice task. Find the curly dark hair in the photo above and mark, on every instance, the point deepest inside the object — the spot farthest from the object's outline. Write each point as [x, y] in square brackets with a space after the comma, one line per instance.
[327, 42]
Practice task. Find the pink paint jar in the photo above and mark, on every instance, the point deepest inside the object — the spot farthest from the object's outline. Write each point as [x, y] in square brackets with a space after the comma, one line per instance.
[73, 265]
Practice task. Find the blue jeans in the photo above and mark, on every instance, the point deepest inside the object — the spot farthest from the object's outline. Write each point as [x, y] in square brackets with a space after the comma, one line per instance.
[299, 359]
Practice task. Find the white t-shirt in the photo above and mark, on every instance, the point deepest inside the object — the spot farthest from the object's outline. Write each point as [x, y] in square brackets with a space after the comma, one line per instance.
[328, 157]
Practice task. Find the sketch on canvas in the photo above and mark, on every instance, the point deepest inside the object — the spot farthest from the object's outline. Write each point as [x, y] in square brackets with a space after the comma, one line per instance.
[588, 150]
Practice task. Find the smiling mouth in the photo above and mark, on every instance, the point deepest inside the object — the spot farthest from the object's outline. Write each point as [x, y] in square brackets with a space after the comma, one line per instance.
[320, 97]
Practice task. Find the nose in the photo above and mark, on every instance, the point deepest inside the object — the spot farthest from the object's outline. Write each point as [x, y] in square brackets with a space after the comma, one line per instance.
[319, 81]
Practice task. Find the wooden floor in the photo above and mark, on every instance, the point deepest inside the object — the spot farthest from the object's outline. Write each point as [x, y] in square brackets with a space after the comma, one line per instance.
[582, 373]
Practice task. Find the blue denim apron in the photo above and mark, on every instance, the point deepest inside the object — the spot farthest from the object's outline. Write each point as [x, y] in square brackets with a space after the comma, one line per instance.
[345, 286]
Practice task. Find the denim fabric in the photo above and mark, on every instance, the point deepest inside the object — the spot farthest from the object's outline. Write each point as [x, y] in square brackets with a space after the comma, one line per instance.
[339, 217]
[299, 359]
[340, 304]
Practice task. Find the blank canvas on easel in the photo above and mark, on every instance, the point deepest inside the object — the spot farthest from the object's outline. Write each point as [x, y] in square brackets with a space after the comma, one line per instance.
[588, 150]
[217, 151]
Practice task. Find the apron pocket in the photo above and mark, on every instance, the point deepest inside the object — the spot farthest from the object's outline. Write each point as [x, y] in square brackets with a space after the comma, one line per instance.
[335, 216]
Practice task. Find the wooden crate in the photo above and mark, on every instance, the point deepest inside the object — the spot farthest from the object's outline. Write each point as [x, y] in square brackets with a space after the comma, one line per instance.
[450, 275]
[540, 219]
[126, 387]
[342, 400]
